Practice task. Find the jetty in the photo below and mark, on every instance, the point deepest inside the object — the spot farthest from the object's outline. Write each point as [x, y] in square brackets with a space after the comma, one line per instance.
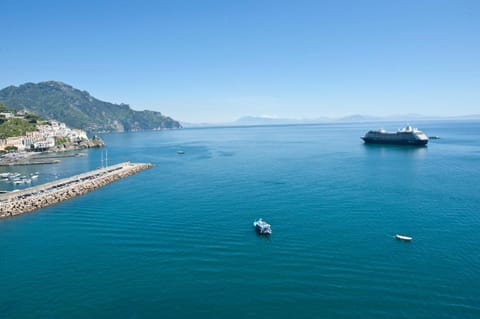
[18, 163]
[33, 198]
[57, 155]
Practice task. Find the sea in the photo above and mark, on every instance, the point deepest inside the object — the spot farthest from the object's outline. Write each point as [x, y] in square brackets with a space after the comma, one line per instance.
[177, 241]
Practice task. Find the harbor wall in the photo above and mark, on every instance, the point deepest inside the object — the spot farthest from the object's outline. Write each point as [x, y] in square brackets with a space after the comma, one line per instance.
[33, 198]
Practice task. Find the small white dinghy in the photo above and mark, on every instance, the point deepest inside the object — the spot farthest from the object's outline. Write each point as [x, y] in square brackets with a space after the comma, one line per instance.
[404, 238]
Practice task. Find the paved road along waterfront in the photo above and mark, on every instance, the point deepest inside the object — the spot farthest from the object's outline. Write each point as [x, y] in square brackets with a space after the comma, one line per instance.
[29, 199]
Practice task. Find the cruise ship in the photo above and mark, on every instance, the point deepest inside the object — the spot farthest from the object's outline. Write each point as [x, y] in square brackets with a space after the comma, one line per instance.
[406, 136]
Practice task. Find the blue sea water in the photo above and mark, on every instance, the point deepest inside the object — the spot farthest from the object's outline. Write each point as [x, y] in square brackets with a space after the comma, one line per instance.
[177, 241]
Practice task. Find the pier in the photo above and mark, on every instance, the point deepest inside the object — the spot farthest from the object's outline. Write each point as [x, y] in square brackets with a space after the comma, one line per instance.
[57, 155]
[19, 163]
[33, 198]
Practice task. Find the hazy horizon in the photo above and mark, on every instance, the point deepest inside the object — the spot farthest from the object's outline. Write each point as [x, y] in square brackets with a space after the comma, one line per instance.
[218, 61]
[345, 118]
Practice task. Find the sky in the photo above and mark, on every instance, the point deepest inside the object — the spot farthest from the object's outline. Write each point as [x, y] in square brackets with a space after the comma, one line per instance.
[216, 61]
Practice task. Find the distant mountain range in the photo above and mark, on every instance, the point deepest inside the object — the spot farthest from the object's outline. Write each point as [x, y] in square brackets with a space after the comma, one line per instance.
[78, 109]
[357, 118]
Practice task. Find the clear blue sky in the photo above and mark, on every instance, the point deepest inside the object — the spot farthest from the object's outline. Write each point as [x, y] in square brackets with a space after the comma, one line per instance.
[214, 61]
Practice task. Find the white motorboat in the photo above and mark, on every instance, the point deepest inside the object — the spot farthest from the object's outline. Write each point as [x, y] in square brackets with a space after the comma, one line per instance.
[402, 237]
[262, 227]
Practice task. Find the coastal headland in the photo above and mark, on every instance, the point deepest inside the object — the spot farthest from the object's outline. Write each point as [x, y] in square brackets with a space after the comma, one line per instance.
[33, 198]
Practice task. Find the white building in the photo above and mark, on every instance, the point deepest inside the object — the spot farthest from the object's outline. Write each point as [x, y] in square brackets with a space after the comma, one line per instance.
[16, 141]
[6, 115]
[44, 137]
[45, 144]
[77, 135]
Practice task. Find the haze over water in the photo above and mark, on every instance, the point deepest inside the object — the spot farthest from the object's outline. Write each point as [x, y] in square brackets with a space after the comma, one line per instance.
[177, 241]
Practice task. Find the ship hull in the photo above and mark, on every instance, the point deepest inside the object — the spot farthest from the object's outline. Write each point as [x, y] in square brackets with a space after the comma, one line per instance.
[394, 141]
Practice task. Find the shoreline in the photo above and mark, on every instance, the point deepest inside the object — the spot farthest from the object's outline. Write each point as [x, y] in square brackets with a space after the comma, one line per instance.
[37, 158]
[37, 197]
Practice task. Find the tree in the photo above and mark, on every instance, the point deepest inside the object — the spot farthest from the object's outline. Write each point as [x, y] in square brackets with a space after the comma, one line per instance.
[3, 108]
[11, 149]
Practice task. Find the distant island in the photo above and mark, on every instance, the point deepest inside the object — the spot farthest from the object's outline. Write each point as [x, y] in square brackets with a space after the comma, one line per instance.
[78, 109]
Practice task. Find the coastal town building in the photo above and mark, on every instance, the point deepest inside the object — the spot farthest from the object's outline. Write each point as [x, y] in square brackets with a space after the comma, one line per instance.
[16, 141]
[6, 115]
[44, 137]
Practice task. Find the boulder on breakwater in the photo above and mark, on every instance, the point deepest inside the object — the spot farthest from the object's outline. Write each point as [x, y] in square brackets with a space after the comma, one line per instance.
[30, 199]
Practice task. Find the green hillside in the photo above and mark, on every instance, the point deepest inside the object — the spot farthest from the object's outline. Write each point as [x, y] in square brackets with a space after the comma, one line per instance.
[10, 127]
[78, 109]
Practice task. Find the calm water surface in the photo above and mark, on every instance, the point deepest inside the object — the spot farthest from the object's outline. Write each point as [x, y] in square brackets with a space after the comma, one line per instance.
[176, 241]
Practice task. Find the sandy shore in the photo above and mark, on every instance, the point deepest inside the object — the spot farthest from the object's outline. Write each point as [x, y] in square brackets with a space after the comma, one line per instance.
[29, 199]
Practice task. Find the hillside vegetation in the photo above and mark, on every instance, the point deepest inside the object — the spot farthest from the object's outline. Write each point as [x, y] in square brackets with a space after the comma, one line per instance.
[10, 127]
[78, 109]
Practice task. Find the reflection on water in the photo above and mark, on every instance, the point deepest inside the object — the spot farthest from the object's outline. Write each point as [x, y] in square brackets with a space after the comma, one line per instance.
[385, 150]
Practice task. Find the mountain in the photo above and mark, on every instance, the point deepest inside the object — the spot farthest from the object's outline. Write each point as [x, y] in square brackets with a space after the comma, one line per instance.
[356, 118]
[78, 109]
[262, 120]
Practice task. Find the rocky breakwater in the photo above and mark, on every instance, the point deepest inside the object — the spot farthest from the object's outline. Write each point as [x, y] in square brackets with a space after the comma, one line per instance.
[30, 199]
